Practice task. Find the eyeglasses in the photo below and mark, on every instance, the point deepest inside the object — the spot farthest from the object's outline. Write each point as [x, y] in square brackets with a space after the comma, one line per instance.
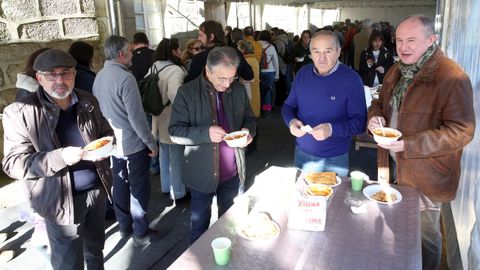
[52, 76]
[223, 80]
[227, 80]
[197, 49]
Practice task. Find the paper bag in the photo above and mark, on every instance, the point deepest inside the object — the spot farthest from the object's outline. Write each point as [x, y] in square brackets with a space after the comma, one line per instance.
[308, 213]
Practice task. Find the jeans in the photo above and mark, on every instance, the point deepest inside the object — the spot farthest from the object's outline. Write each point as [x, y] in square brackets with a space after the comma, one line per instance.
[154, 162]
[131, 191]
[431, 239]
[201, 204]
[310, 163]
[72, 244]
[170, 159]
[267, 90]
[288, 78]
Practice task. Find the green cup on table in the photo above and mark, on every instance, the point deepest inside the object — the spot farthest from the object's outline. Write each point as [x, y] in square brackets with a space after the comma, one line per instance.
[221, 250]
[357, 178]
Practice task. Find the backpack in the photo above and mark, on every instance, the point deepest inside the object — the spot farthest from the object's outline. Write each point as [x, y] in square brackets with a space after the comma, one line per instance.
[264, 60]
[151, 96]
[289, 54]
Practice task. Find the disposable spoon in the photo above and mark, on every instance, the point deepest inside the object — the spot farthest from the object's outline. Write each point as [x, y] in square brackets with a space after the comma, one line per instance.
[381, 126]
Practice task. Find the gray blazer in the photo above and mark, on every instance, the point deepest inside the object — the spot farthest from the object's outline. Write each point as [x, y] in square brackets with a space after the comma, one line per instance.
[193, 112]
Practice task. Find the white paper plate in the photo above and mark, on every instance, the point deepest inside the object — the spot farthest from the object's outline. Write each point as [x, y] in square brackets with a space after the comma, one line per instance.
[369, 191]
[241, 232]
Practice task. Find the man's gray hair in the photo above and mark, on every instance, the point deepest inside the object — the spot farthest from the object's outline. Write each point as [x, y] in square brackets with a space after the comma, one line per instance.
[427, 23]
[223, 55]
[114, 45]
[326, 33]
[366, 24]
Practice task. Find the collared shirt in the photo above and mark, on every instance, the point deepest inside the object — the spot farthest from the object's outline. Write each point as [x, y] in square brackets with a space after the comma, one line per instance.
[83, 174]
[335, 67]
[228, 165]
[73, 99]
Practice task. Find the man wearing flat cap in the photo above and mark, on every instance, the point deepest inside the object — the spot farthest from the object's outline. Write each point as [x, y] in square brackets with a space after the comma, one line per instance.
[44, 137]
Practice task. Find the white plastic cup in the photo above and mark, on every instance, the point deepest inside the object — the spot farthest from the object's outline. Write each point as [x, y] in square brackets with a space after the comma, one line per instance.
[221, 250]
[357, 178]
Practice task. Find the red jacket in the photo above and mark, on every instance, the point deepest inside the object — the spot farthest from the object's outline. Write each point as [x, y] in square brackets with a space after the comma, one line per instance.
[437, 120]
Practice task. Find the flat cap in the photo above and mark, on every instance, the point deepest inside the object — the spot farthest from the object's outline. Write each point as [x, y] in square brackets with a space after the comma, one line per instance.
[53, 58]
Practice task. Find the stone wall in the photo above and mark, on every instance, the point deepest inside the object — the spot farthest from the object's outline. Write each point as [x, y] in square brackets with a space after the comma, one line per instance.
[27, 25]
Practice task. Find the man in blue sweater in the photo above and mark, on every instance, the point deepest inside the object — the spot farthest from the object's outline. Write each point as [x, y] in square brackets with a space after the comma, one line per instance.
[325, 108]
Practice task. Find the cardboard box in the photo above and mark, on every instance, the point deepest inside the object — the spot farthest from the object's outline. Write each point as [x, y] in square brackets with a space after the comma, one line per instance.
[308, 213]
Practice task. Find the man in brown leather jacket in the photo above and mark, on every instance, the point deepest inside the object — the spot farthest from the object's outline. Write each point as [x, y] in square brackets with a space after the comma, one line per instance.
[428, 97]
[45, 134]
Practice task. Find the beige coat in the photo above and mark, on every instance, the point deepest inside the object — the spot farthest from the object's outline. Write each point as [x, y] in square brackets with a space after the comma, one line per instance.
[254, 85]
[169, 80]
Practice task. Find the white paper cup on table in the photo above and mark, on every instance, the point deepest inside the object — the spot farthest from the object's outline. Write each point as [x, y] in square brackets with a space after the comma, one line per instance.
[357, 178]
[221, 250]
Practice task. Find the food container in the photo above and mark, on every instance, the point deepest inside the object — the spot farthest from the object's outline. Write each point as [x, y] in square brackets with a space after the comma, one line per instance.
[324, 178]
[318, 190]
[99, 148]
[237, 138]
[386, 135]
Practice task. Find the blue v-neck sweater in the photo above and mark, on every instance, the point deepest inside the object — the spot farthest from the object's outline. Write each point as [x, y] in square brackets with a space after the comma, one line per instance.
[338, 99]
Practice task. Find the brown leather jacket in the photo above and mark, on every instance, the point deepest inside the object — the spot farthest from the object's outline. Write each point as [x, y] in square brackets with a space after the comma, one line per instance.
[33, 152]
[437, 120]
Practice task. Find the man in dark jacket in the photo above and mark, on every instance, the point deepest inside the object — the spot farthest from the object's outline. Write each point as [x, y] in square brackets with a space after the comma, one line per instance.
[82, 52]
[45, 135]
[211, 35]
[429, 98]
[204, 111]
[142, 60]
[142, 57]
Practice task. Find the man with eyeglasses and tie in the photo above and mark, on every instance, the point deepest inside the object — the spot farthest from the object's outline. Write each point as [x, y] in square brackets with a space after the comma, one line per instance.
[204, 111]
[45, 135]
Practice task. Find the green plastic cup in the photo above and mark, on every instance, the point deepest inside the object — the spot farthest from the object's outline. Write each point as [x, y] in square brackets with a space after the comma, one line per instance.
[221, 250]
[357, 178]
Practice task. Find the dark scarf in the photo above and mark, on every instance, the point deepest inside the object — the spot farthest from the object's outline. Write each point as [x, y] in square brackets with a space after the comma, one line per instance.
[408, 74]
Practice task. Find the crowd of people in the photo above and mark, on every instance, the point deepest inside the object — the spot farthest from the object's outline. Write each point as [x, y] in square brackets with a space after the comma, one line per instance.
[219, 83]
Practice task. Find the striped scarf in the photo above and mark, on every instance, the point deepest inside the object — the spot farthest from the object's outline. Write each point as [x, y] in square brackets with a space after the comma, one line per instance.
[408, 74]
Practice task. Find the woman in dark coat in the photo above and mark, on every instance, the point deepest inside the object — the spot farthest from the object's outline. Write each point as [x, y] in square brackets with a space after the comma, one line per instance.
[302, 51]
[26, 81]
[375, 61]
[82, 52]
